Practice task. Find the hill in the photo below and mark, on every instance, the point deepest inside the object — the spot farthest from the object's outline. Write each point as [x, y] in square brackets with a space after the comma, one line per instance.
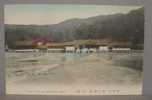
[117, 28]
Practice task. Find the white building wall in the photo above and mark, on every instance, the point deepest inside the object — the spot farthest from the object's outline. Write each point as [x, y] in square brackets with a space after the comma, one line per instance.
[103, 49]
[70, 49]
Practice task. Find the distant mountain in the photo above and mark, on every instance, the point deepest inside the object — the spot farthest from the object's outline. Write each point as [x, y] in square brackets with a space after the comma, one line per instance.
[117, 27]
[71, 24]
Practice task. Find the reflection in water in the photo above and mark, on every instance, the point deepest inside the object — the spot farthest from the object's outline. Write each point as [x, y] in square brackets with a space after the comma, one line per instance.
[73, 56]
[73, 68]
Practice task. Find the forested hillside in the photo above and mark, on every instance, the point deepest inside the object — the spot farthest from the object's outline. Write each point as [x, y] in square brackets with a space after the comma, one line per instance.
[118, 27]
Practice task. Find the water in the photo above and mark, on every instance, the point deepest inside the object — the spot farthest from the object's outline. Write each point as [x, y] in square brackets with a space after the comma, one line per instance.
[68, 69]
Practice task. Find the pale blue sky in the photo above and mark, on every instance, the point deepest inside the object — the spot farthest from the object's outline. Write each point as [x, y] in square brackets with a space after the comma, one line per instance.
[55, 13]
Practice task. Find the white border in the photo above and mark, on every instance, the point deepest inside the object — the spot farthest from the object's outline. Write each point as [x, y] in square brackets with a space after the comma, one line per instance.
[147, 81]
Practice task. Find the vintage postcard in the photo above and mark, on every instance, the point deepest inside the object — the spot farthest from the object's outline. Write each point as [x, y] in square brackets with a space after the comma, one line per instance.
[65, 49]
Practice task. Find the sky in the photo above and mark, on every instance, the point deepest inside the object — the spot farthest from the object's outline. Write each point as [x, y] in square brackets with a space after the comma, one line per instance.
[55, 13]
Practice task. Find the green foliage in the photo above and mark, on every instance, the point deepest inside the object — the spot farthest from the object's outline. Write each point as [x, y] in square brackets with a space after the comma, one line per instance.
[118, 27]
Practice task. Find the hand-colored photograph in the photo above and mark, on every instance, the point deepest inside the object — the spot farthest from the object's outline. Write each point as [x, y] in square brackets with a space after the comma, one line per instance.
[65, 49]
